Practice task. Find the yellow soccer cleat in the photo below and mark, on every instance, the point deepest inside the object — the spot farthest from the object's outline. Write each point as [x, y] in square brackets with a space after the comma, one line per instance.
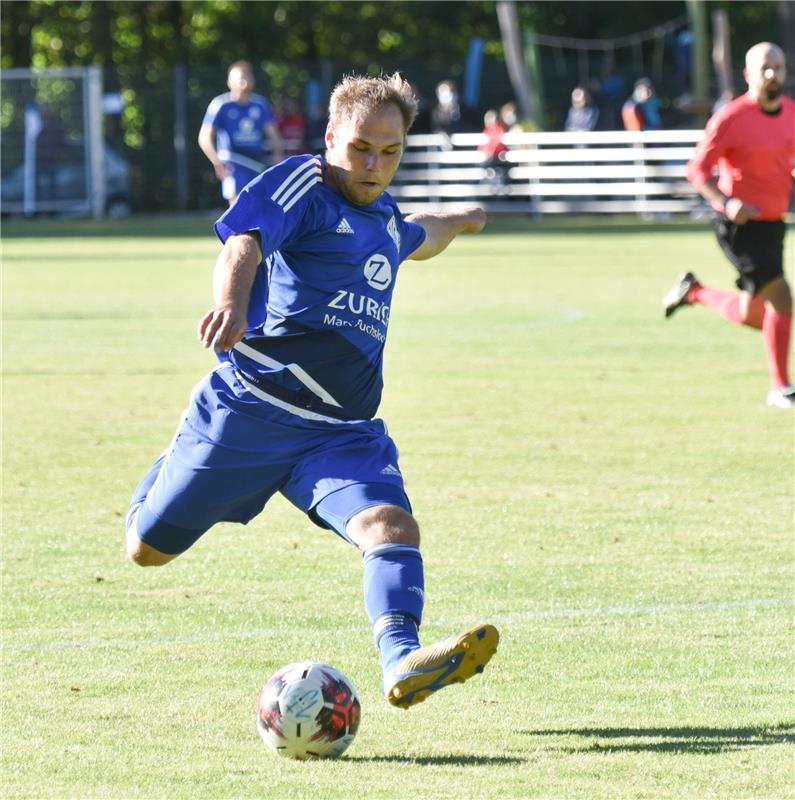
[453, 660]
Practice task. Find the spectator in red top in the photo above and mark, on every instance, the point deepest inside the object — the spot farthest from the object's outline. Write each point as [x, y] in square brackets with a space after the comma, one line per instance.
[292, 128]
[493, 148]
[751, 141]
[493, 130]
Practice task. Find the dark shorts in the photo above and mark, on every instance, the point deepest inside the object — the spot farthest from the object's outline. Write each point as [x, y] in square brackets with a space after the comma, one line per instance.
[233, 452]
[756, 249]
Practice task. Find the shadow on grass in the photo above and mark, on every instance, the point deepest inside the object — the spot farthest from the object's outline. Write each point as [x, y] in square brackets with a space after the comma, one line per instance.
[671, 740]
[459, 761]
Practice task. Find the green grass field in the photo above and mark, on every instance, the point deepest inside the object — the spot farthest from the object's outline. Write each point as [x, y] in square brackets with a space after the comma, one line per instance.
[607, 487]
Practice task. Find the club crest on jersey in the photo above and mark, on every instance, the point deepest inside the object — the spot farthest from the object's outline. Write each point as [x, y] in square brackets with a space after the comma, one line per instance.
[392, 230]
[378, 272]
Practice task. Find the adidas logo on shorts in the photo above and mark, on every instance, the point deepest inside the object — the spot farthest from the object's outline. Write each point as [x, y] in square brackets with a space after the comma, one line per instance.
[344, 227]
[391, 470]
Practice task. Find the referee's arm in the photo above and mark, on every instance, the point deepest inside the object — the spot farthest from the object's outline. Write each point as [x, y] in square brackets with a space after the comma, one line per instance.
[441, 229]
[733, 207]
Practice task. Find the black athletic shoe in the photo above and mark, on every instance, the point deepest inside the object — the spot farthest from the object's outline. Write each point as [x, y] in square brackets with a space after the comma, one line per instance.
[676, 296]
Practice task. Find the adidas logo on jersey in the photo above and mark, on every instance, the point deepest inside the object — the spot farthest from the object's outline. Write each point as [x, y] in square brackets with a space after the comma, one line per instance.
[390, 470]
[344, 227]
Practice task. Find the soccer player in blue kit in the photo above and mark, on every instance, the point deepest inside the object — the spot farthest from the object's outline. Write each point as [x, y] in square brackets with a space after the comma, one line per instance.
[233, 132]
[302, 296]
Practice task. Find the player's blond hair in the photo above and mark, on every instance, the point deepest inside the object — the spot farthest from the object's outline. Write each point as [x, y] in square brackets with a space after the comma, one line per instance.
[244, 66]
[357, 96]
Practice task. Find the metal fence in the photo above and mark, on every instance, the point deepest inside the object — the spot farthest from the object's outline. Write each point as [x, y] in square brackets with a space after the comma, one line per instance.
[52, 150]
[126, 138]
[158, 126]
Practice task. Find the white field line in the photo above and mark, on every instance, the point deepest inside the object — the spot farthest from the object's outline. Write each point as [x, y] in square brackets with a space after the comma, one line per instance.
[518, 617]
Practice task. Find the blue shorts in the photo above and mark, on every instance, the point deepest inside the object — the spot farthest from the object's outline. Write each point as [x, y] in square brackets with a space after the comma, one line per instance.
[234, 183]
[232, 452]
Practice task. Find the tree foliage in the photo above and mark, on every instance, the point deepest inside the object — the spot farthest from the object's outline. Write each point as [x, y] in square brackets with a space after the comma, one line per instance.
[290, 42]
[47, 33]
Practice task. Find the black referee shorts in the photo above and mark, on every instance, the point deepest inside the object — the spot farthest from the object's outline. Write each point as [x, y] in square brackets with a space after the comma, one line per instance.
[756, 249]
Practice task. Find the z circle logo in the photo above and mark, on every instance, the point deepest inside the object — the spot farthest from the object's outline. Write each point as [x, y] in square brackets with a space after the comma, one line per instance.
[378, 272]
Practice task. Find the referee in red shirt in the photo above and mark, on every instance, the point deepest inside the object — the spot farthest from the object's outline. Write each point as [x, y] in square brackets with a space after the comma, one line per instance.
[751, 141]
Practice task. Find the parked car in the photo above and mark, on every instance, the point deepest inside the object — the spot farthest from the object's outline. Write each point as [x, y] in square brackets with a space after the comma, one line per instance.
[61, 184]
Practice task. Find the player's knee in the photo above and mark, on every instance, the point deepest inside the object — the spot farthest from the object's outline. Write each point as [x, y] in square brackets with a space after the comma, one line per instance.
[751, 315]
[144, 555]
[384, 524]
[777, 295]
[784, 304]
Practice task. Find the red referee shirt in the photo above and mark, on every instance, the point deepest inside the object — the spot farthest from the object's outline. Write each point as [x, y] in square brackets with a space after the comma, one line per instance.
[754, 152]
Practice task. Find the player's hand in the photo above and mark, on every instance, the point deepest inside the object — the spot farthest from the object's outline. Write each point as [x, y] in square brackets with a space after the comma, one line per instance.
[738, 212]
[223, 327]
[474, 220]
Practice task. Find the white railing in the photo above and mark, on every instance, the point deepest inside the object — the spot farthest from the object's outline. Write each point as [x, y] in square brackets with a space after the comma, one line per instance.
[551, 173]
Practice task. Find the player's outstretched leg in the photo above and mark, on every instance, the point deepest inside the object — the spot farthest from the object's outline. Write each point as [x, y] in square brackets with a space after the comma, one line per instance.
[676, 296]
[394, 590]
[427, 669]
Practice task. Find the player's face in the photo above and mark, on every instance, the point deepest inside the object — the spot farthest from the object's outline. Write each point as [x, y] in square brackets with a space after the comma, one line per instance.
[364, 153]
[765, 74]
[240, 82]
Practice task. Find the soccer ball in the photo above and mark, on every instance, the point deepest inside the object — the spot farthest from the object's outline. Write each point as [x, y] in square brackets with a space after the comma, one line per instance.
[308, 710]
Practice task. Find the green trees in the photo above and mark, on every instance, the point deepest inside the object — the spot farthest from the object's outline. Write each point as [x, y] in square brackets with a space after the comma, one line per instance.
[139, 44]
[54, 33]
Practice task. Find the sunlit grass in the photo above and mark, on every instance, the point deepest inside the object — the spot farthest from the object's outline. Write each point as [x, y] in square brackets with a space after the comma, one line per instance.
[606, 487]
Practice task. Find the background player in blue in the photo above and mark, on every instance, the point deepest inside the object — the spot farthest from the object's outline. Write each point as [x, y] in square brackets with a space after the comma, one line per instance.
[233, 132]
[302, 292]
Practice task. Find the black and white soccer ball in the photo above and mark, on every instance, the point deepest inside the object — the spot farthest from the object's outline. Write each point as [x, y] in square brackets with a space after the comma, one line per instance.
[308, 710]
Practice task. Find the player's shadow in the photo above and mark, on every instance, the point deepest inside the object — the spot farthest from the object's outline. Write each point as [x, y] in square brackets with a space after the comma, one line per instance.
[456, 760]
[670, 740]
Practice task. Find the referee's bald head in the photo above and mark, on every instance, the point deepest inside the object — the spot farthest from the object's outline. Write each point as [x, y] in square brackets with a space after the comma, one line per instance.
[761, 52]
[765, 72]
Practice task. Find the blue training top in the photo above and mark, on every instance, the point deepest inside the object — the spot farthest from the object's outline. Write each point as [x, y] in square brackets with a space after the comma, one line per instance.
[319, 307]
[239, 126]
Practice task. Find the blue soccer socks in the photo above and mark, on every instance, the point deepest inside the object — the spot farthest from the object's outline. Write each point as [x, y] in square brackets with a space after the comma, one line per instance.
[394, 594]
[394, 591]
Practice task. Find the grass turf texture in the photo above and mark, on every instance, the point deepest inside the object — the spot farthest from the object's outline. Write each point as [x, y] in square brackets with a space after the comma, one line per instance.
[607, 487]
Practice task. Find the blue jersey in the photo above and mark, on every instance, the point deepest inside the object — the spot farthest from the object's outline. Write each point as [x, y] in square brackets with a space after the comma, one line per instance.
[239, 126]
[320, 303]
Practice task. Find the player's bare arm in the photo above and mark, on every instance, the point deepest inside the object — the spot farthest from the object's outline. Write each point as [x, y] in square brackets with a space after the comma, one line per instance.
[441, 229]
[225, 323]
[207, 144]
